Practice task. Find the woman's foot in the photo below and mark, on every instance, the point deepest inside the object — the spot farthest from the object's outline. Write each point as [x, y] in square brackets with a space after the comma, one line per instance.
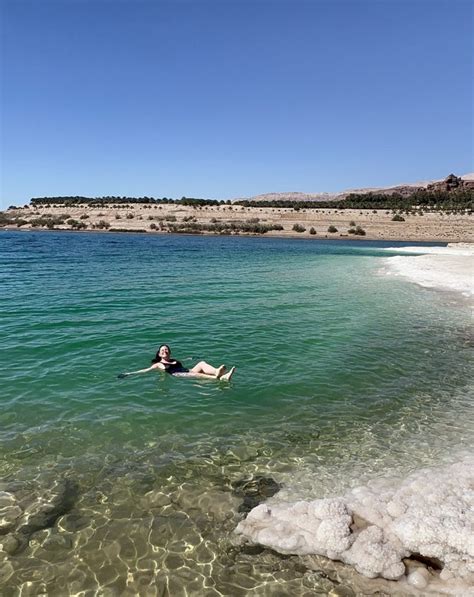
[219, 371]
[228, 375]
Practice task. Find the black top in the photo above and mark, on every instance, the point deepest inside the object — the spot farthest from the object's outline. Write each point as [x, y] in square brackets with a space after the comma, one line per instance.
[175, 367]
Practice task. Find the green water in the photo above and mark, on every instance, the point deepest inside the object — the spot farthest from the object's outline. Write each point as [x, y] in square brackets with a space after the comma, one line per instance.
[343, 374]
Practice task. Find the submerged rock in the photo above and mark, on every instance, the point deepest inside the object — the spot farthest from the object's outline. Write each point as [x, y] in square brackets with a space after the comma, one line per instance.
[40, 513]
[254, 491]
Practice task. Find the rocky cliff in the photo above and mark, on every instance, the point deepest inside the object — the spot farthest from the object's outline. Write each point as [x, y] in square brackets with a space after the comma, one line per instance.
[450, 183]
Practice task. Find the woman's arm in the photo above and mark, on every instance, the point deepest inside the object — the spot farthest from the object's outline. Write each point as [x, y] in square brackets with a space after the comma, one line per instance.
[154, 366]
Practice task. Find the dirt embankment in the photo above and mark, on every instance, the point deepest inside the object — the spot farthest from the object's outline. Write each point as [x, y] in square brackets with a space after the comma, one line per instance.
[235, 219]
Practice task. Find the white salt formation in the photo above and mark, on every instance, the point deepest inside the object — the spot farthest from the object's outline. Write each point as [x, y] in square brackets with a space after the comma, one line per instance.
[373, 528]
[449, 268]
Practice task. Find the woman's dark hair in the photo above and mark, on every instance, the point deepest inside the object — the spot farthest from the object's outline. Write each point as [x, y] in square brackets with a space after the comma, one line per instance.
[157, 358]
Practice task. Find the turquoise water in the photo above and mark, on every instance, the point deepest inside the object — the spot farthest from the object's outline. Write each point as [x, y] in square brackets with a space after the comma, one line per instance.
[343, 374]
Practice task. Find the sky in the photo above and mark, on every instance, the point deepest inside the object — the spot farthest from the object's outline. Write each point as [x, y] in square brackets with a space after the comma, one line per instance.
[231, 98]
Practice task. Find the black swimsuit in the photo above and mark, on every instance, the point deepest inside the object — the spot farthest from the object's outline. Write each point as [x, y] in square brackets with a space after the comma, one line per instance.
[175, 367]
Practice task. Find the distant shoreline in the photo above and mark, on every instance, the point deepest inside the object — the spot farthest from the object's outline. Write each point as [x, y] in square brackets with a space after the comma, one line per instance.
[294, 236]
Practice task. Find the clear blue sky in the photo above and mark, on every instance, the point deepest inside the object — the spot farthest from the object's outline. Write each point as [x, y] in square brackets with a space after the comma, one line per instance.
[223, 98]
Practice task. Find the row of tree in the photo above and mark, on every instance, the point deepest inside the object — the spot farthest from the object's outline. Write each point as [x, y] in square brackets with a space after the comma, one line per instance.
[109, 199]
[440, 200]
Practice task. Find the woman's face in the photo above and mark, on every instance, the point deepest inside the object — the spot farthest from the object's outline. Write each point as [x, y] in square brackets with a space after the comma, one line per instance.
[165, 352]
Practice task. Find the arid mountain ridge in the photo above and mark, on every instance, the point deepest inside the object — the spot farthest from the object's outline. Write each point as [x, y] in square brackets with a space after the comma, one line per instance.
[449, 183]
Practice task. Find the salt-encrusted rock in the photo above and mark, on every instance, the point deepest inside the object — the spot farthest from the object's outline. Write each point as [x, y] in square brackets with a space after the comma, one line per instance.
[419, 578]
[430, 514]
[373, 555]
[318, 527]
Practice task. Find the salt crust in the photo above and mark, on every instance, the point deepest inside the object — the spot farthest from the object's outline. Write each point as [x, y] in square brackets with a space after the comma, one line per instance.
[448, 268]
[374, 527]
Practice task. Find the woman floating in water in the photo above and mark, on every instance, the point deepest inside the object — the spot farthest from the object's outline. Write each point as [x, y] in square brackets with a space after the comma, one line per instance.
[164, 362]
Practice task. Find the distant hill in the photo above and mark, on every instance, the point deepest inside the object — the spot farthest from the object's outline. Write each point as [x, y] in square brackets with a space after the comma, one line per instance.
[451, 182]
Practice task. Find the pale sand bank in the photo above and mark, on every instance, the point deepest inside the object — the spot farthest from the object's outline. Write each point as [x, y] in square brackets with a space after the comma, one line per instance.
[446, 268]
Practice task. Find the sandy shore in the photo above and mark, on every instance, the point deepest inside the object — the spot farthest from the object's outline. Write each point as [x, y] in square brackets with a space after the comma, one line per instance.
[377, 225]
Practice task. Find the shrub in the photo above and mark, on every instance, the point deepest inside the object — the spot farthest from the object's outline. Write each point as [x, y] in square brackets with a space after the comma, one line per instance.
[351, 231]
[77, 225]
[170, 219]
[153, 226]
[84, 217]
[126, 230]
[298, 228]
[46, 220]
[359, 231]
[223, 228]
[102, 224]
[118, 217]
[130, 216]
[4, 219]
[398, 218]
[352, 223]
[312, 230]
[332, 228]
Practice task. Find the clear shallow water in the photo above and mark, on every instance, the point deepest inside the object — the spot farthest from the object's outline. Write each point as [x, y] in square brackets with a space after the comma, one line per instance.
[343, 374]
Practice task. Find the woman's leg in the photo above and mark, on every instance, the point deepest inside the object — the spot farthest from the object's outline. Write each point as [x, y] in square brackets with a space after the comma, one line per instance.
[227, 376]
[203, 367]
[202, 375]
